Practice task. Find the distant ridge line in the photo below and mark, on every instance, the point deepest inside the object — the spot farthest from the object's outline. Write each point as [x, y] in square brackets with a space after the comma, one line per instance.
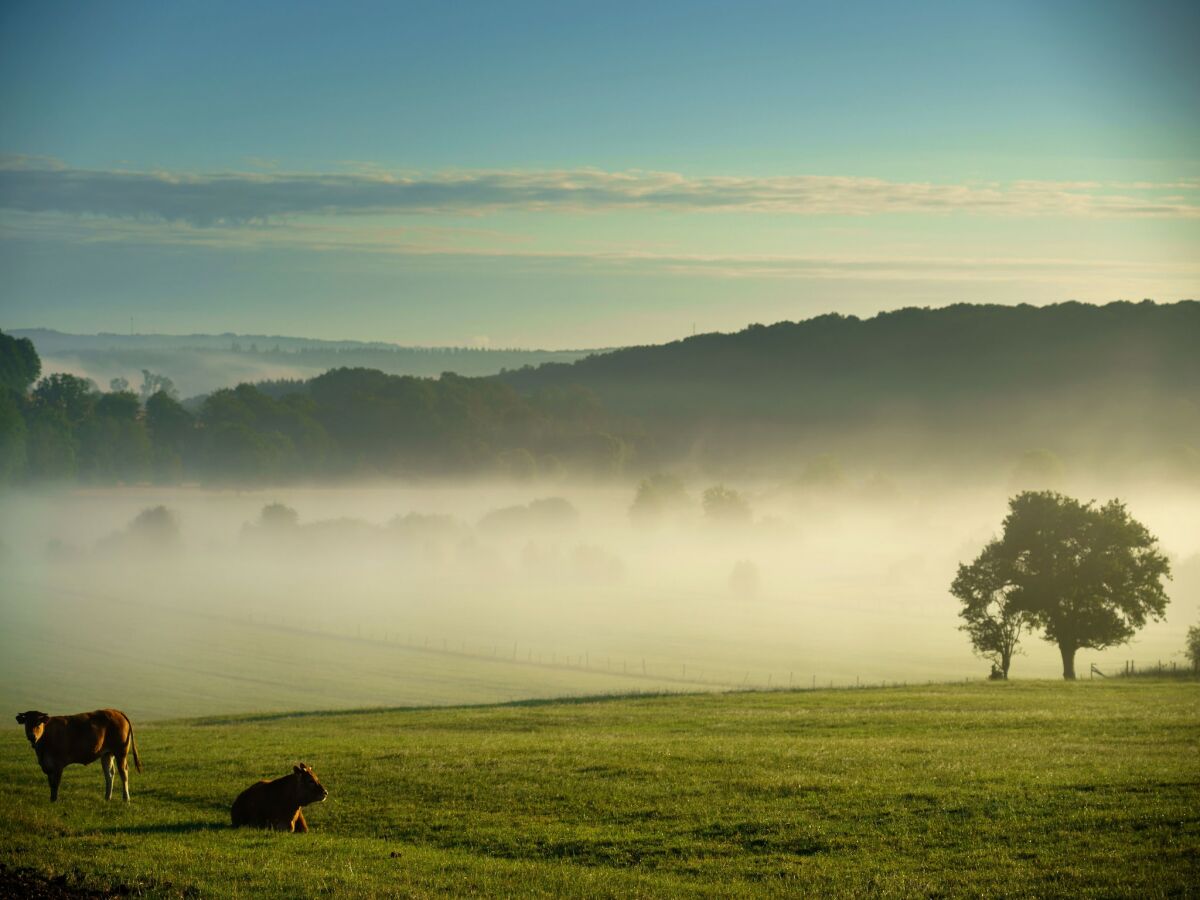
[221, 341]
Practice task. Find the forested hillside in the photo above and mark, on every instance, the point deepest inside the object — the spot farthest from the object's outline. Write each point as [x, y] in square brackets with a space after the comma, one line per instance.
[346, 422]
[201, 363]
[1104, 383]
[1105, 388]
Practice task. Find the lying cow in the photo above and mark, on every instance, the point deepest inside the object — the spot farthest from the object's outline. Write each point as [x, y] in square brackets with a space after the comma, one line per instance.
[277, 804]
[60, 741]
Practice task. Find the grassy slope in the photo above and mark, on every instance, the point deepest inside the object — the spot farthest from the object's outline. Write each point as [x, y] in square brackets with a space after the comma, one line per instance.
[1090, 789]
[164, 662]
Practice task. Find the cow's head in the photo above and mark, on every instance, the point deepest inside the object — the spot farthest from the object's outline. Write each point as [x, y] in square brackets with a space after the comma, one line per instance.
[307, 786]
[35, 724]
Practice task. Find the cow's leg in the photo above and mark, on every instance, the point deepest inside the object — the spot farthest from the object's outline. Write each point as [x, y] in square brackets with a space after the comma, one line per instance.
[106, 763]
[299, 825]
[54, 776]
[123, 771]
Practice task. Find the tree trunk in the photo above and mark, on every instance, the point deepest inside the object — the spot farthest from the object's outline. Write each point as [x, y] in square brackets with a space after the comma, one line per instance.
[1005, 662]
[1068, 658]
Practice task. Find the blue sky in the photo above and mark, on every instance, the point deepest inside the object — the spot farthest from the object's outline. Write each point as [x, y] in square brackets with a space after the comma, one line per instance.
[576, 174]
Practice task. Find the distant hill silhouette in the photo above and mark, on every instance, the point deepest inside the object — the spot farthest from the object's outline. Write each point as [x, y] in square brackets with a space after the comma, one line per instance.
[1103, 382]
[1031, 394]
[200, 363]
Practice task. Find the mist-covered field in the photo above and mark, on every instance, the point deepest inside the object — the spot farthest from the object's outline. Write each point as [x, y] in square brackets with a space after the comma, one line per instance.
[385, 595]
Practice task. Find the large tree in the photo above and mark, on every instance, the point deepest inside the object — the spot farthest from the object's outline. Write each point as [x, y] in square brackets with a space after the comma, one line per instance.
[1089, 576]
[990, 618]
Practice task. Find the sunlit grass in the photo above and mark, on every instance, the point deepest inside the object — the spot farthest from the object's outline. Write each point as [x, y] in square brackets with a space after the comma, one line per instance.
[990, 789]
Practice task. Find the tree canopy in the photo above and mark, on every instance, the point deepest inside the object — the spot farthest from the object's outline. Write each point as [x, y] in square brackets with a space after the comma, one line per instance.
[658, 495]
[346, 422]
[725, 505]
[20, 364]
[990, 618]
[911, 388]
[1088, 576]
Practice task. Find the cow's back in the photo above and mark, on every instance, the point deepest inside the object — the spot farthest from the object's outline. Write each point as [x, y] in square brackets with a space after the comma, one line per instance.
[85, 737]
[253, 805]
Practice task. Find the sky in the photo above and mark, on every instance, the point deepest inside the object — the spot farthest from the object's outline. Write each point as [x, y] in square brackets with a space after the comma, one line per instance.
[570, 175]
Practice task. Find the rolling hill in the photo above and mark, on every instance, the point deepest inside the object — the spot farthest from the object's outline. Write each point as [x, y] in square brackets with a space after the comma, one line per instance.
[1102, 384]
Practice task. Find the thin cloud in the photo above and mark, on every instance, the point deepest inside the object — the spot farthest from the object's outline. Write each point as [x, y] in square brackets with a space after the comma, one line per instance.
[456, 248]
[239, 198]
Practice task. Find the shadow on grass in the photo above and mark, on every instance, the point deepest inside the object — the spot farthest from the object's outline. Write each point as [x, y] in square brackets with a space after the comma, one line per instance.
[623, 696]
[169, 828]
[568, 700]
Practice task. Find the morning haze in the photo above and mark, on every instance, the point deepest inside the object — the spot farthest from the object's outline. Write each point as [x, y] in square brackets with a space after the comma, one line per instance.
[536, 450]
[563, 529]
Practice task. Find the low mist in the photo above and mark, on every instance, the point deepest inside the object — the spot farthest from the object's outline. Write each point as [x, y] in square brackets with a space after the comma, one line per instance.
[181, 601]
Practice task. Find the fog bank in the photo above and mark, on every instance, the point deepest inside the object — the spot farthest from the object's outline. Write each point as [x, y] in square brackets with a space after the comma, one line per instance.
[374, 595]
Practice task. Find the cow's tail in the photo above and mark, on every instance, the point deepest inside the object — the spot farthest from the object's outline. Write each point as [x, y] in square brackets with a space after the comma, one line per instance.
[131, 746]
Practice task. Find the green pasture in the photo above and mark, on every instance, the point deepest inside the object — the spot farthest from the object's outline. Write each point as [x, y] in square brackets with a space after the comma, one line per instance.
[1021, 789]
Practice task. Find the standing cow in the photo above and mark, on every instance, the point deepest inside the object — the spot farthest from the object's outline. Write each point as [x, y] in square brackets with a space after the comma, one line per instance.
[60, 741]
[277, 804]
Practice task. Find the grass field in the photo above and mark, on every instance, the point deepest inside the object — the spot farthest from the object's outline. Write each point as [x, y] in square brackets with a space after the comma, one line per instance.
[165, 662]
[1038, 788]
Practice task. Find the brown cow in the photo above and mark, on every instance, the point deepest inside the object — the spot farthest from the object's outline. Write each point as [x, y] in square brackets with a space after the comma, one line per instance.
[60, 741]
[277, 804]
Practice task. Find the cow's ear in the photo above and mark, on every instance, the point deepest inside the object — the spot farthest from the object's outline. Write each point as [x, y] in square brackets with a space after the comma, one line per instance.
[299, 770]
[20, 718]
[42, 718]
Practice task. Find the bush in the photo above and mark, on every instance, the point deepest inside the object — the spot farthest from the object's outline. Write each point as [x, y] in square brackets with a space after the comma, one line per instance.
[725, 505]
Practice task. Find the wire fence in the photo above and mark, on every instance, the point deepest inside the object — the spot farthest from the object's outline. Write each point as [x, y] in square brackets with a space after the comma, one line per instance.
[635, 670]
[1133, 669]
[669, 675]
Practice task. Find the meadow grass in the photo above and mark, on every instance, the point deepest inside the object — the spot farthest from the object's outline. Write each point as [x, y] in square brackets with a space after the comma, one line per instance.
[171, 662]
[1021, 789]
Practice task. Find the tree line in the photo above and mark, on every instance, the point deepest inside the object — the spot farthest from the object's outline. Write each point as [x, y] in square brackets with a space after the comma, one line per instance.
[345, 422]
[912, 388]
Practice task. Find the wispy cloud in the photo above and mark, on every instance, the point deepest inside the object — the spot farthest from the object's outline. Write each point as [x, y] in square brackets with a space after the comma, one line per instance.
[37, 185]
[434, 247]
